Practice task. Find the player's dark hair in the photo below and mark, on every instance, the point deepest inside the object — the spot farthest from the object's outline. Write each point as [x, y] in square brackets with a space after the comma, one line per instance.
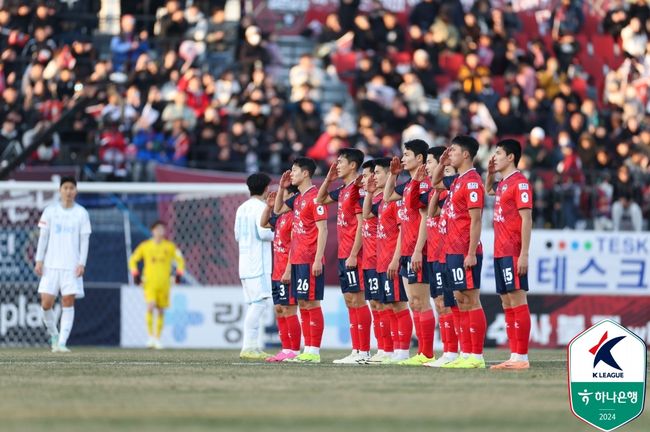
[68, 179]
[383, 162]
[436, 152]
[368, 164]
[511, 147]
[306, 164]
[157, 223]
[418, 147]
[352, 155]
[257, 183]
[467, 143]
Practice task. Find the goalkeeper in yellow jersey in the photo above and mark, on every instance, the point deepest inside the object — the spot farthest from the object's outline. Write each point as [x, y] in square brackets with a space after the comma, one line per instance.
[158, 255]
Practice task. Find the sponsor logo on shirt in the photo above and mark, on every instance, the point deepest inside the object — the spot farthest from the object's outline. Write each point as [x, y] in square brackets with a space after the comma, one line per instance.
[472, 186]
[523, 186]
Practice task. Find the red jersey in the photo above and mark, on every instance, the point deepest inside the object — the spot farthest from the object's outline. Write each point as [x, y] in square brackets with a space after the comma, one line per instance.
[282, 226]
[434, 238]
[346, 217]
[387, 232]
[409, 215]
[369, 237]
[442, 231]
[466, 193]
[304, 234]
[513, 193]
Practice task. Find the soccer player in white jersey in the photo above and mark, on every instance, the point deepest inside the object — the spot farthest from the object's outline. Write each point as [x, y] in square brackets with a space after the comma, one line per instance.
[61, 260]
[255, 256]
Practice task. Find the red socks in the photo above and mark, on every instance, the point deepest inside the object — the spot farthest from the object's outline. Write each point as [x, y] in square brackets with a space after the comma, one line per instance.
[304, 322]
[364, 322]
[377, 328]
[478, 327]
[522, 328]
[427, 330]
[317, 325]
[386, 317]
[465, 336]
[394, 330]
[510, 329]
[418, 328]
[283, 332]
[354, 328]
[405, 329]
[293, 329]
[448, 333]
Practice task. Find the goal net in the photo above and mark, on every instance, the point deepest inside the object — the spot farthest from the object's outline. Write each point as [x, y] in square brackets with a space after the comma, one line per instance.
[199, 219]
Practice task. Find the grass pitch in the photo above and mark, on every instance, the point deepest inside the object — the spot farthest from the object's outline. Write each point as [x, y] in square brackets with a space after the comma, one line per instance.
[136, 390]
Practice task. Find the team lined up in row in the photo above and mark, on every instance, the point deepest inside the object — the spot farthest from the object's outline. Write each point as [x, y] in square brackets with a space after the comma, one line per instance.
[398, 246]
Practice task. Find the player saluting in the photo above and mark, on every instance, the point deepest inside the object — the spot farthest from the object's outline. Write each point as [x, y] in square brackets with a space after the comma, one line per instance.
[413, 239]
[349, 224]
[286, 306]
[158, 255]
[396, 319]
[381, 315]
[436, 229]
[306, 255]
[512, 228]
[462, 246]
[254, 264]
[61, 260]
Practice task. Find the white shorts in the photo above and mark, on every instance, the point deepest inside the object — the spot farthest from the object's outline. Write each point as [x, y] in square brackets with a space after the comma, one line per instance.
[55, 281]
[256, 289]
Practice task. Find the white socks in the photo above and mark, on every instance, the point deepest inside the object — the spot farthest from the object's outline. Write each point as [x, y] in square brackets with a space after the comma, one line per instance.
[67, 318]
[49, 321]
[252, 324]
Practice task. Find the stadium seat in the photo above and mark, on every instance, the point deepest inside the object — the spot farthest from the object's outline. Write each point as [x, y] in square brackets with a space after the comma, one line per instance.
[529, 23]
[401, 58]
[499, 85]
[451, 63]
[591, 25]
[579, 85]
[603, 47]
[522, 40]
[592, 65]
[344, 62]
[442, 82]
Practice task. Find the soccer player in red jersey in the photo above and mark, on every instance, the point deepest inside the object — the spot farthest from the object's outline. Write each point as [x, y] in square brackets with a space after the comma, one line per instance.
[348, 229]
[306, 254]
[436, 229]
[286, 309]
[388, 256]
[512, 228]
[413, 221]
[381, 315]
[463, 250]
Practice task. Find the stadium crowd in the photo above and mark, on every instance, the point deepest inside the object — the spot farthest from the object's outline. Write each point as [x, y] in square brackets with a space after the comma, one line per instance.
[189, 88]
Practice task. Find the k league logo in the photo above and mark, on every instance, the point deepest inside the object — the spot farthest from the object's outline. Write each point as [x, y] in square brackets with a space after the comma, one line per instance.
[607, 375]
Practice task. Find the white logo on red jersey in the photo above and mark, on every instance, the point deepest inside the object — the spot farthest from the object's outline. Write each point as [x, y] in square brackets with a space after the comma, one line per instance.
[523, 186]
[320, 210]
[472, 186]
[504, 188]
[473, 197]
[524, 197]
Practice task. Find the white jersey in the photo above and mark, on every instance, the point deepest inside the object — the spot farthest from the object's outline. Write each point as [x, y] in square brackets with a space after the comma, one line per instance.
[64, 228]
[255, 252]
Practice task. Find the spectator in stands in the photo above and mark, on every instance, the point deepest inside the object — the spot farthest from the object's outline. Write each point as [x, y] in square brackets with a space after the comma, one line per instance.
[178, 143]
[566, 23]
[220, 40]
[127, 46]
[615, 19]
[347, 11]
[171, 23]
[471, 74]
[392, 37]
[306, 72]
[634, 38]
[307, 122]
[179, 111]
[507, 121]
[252, 53]
[444, 29]
[425, 70]
[41, 47]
